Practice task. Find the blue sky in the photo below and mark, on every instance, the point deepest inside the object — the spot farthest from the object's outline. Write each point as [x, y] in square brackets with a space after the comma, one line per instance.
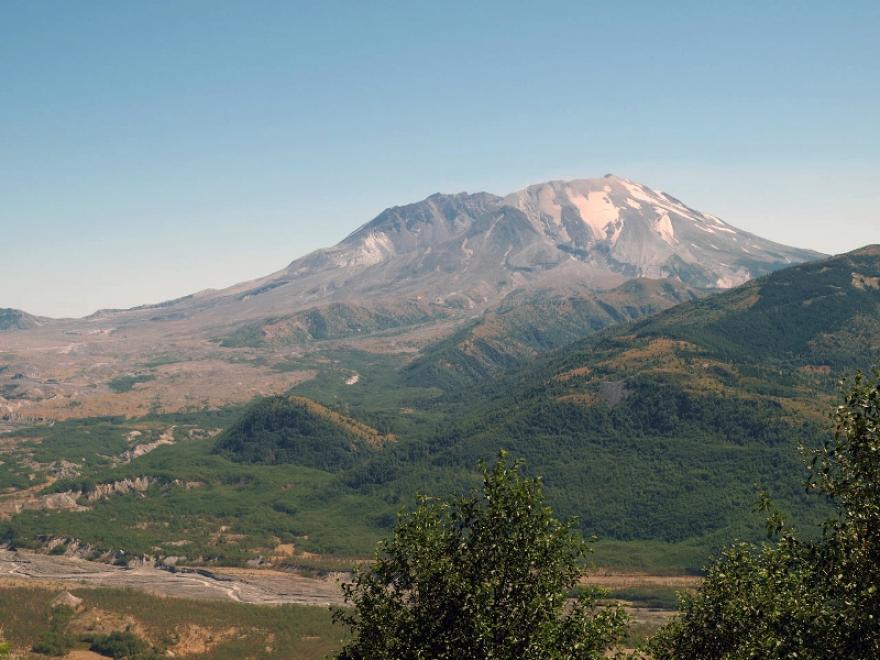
[148, 150]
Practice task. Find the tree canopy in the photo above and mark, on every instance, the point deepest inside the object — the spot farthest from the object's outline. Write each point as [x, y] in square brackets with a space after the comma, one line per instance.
[801, 598]
[491, 575]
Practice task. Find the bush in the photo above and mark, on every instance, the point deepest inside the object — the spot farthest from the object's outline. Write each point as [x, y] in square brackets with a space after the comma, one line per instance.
[796, 598]
[56, 641]
[122, 644]
[486, 576]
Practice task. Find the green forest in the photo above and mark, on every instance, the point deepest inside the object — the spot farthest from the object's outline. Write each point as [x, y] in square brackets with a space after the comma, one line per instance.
[656, 436]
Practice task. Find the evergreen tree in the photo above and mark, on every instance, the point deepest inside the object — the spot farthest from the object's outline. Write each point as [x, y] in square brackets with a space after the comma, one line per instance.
[797, 598]
[486, 576]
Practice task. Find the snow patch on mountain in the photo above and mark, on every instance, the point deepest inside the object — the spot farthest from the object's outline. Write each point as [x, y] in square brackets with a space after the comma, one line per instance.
[663, 226]
[596, 210]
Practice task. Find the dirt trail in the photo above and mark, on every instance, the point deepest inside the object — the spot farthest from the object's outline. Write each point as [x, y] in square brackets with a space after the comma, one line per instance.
[255, 587]
[13, 503]
[633, 580]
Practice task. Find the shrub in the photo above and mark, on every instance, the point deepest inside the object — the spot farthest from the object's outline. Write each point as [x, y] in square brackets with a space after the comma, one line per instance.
[485, 576]
[799, 598]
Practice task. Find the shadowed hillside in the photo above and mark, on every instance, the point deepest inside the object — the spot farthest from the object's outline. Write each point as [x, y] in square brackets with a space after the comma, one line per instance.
[661, 429]
[655, 435]
[526, 325]
[296, 430]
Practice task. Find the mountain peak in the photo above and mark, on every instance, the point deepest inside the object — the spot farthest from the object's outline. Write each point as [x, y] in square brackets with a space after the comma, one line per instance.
[15, 319]
[467, 251]
[867, 251]
[593, 233]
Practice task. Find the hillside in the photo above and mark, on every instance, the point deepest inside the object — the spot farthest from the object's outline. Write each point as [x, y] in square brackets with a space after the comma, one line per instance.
[296, 430]
[660, 430]
[655, 435]
[15, 319]
[333, 321]
[782, 336]
[526, 325]
[513, 275]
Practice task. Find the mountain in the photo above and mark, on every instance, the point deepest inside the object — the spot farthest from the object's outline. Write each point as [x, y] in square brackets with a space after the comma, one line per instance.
[468, 251]
[659, 431]
[502, 278]
[654, 434]
[15, 319]
[296, 430]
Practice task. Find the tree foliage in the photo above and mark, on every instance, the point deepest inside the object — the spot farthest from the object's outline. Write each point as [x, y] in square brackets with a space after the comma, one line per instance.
[484, 576]
[122, 645]
[57, 640]
[801, 598]
[280, 429]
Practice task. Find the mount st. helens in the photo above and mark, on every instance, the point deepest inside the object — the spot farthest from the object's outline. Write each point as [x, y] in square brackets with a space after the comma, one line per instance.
[657, 432]
[408, 278]
[15, 319]
[653, 434]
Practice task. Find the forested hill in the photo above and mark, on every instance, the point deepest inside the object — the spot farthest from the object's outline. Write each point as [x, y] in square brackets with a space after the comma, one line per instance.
[654, 435]
[528, 324]
[297, 430]
[661, 429]
[788, 336]
[818, 318]
[821, 315]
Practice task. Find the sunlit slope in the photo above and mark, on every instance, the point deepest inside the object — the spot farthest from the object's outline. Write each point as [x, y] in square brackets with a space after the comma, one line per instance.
[297, 430]
[661, 430]
[655, 435]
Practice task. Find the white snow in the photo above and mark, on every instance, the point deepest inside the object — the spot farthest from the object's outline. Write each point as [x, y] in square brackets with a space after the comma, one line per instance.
[726, 229]
[733, 279]
[639, 192]
[596, 209]
[663, 226]
[374, 249]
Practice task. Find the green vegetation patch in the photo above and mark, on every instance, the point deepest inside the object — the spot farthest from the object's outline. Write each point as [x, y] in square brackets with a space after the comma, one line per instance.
[231, 630]
[127, 383]
[661, 598]
[283, 429]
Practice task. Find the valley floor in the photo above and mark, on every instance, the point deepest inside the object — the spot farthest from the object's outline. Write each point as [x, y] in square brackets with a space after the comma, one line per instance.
[201, 610]
[251, 586]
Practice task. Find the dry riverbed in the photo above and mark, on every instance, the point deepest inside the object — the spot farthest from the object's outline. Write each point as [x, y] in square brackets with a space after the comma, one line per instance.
[241, 585]
[253, 586]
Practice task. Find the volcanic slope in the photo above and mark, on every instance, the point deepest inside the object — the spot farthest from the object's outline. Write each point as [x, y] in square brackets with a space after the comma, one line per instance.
[659, 430]
[468, 251]
[653, 435]
[562, 253]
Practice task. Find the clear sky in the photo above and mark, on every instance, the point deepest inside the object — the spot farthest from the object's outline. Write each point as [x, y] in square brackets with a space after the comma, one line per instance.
[152, 149]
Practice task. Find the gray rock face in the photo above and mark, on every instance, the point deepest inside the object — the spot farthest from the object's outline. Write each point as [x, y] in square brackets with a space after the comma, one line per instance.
[468, 251]
[588, 233]
[15, 319]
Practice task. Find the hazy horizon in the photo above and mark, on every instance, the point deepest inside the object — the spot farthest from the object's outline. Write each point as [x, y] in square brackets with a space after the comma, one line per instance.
[152, 151]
